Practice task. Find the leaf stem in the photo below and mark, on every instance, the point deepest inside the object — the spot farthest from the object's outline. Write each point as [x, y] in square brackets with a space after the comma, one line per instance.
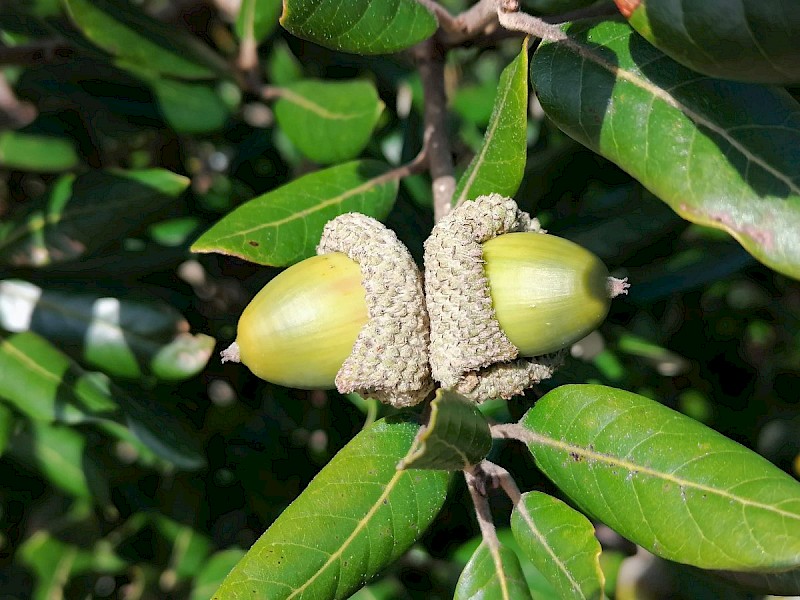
[477, 479]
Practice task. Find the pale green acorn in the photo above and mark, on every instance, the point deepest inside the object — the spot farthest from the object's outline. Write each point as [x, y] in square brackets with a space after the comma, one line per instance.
[352, 318]
[547, 292]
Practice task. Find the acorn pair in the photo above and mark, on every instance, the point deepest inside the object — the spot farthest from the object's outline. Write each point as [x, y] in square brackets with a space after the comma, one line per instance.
[501, 300]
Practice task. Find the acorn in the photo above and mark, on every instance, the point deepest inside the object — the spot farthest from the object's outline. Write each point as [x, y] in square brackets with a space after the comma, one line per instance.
[299, 329]
[547, 292]
[505, 299]
[352, 318]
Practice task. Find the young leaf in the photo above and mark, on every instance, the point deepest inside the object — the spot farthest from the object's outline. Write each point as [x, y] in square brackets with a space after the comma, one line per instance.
[257, 19]
[283, 226]
[492, 575]
[456, 436]
[127, 33]
[124, 338]
[83, 214]
[328, 121]
[500, 164]
[560, 542]
[358, 515]
[665, 481]
[359, 26]
[744, 40]
[720, 153]
[31, 152]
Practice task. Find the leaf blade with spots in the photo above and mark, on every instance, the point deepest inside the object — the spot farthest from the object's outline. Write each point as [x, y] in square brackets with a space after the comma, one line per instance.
[284, 226]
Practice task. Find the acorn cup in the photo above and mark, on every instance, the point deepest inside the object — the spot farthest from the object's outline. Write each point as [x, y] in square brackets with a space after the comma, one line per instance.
[352, 317]
[505, 299]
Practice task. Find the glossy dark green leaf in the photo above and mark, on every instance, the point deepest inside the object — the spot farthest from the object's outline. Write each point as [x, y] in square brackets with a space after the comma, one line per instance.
[745, 40]
[358, 515]
[257, 19]
[127, 33]
[560, 542]
[213, 572]
[121, 337]
[328, 121]
[679, 489]
[283, 226]
[45, 385]
[455, 437]
[32, 152]
[499, 165]
[82, 214]
[359, 26]
[492, 575]
[720, 153]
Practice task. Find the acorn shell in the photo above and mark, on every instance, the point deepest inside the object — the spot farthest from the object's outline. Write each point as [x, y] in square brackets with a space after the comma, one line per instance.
[547, 292]
[301, 327]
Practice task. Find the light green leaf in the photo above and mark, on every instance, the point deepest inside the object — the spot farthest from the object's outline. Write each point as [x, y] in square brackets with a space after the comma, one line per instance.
[679, 489]
[328, 121]
[357, 516]
[45, 385]
[455, 437]
[124, 31]
[210, 575]
[720, 153]
[190, 548]
[560, 542]
[189, 107]
[284, 226]
[745, 40]
[492, 574]
[124, 338]
[257, 19]
[73, 219]
[499, 165]
[359, 26]
[32, 152]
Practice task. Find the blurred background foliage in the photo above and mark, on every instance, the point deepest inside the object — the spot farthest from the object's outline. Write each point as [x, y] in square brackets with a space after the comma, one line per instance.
[111, 167]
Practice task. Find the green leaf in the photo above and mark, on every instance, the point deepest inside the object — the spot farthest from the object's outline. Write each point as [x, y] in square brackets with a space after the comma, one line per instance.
[283, 226]
[455, 437]
[55, 561]
[189, 107]
[328, 121]
[127, 33]
[359, 26]
[45, 385]
[560, 542]
[83, 214]
[720, 153]
[257, 19]
[499, 165]
[213, 572]
[665, 481]
[59, 453]
[8, 421]
[745, 40]
[32, 152]
[190, 548]
[124, 338]
[357, 516]
[492, 574]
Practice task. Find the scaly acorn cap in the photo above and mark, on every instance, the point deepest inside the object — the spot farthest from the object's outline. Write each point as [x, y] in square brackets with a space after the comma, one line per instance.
[469, 352]
[389, 360]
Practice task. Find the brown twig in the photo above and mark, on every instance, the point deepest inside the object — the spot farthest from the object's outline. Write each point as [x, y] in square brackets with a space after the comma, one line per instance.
[430, 60]
[476, 484]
